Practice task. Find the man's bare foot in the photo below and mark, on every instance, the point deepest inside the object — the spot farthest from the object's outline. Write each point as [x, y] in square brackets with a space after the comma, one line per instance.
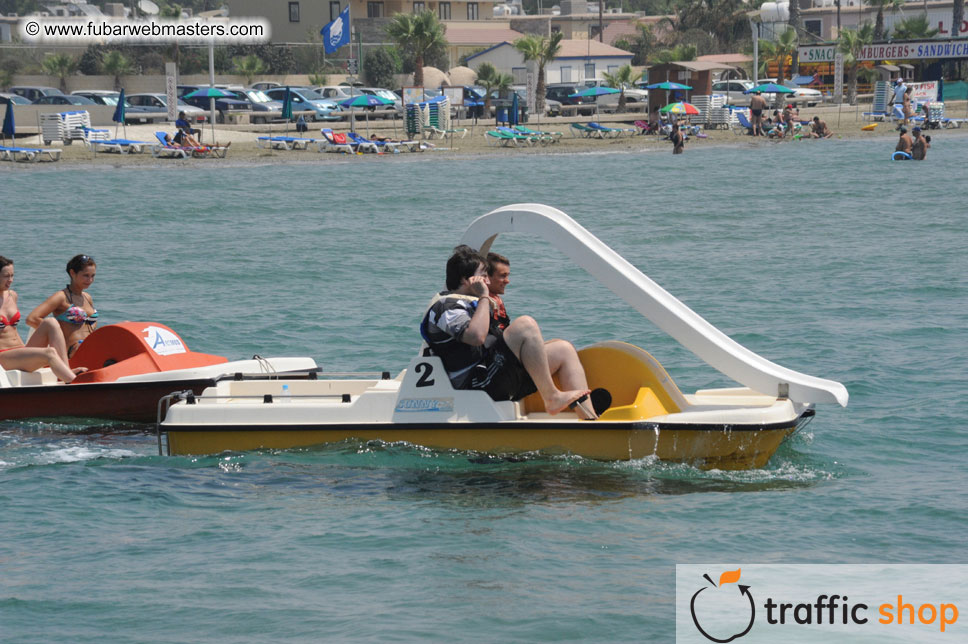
[562, 399]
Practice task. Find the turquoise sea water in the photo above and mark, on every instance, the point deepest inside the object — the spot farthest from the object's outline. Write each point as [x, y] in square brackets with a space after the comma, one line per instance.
[824, 257]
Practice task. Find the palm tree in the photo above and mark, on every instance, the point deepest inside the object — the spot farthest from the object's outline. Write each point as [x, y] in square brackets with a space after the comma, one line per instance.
[622, 78]
[957, 17]
[61, 66]
[250, 67]
[786, 45]
[487, 77]
[879, 20]
[417, 34]
[914, 28]
[116, 64]
[850, 43]
[796, 23]
[541, 50]
[768, 52]
[174, 12]
[678, 53]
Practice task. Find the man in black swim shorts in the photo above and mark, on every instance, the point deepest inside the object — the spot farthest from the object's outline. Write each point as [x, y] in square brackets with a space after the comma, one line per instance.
[508, 364]
[757, 105]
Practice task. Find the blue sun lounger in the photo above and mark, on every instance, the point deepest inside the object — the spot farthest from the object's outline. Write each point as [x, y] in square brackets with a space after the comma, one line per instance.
[585, 132]
[31, 155]
[611, 131]
[284, 142]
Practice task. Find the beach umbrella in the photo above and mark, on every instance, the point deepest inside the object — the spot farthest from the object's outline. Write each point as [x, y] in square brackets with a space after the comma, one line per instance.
[363, 100]
[513, 111]
[286, 109]
[8, 126]
[680, 108]
[595, 91]
[770, 88]
[668, 86]
[118, 116]
[210, 93]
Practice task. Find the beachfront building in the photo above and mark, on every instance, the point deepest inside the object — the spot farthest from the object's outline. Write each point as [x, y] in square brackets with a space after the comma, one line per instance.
[299, 21]
[578, 60]
[821, 17]
[698, 75]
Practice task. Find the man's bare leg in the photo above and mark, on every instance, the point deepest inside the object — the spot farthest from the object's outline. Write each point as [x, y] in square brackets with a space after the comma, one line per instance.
[523, 337]
[563, 362]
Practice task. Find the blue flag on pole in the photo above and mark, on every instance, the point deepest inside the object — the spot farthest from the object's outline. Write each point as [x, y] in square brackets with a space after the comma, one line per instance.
[337, 33]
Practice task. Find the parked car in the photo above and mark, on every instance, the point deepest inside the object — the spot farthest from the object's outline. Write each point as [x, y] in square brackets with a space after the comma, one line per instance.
[63, 99]
[222, 105]
[733, 90]
[260, 102]
[132, 113]
[802, 95]
[562, 92]
[16, 99]
[32, 93]
[304, 98]
[159, 103]
[340, 93]
[552, 107]
[264, 85]
[609, 102]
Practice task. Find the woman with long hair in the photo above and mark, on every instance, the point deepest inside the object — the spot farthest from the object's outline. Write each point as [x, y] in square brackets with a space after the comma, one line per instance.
[46, 347]
[72, 307]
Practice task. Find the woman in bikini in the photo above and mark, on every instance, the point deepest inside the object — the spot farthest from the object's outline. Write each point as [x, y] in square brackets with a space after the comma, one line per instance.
[46, 347]
[72, 308]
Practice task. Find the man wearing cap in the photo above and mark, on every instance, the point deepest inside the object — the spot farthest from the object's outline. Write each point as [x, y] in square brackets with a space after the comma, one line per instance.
[757, 105]
[897, 100]
[919, 149]
[904, 143]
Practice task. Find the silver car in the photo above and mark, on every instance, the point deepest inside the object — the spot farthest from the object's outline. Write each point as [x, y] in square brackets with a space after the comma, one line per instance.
[159, 102]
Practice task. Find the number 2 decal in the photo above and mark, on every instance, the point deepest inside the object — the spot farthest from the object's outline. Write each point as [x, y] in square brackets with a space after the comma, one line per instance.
[425, 369]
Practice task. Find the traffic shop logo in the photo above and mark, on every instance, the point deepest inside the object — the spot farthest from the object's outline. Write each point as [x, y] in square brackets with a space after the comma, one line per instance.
[725, 611]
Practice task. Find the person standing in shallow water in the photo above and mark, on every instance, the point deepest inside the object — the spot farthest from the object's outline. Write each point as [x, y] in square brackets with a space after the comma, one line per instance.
[757, 105]
[678, 141]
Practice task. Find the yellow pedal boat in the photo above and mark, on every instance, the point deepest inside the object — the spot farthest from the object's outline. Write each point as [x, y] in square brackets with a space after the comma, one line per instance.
[733, 428]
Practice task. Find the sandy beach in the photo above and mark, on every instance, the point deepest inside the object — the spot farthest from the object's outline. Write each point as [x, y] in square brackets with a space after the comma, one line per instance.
[846, 123]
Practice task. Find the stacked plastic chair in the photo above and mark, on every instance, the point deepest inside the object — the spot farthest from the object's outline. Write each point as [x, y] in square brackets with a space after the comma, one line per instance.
[76, 124]
[413, 119]
[52, 128]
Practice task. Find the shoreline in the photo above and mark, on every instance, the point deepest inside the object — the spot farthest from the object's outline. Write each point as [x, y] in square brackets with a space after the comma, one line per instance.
[244, 150]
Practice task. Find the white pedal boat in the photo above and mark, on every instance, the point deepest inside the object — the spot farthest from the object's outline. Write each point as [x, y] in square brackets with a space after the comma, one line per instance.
[734, 428]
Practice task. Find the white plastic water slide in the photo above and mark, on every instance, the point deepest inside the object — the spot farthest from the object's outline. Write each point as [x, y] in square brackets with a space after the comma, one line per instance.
[651, 300]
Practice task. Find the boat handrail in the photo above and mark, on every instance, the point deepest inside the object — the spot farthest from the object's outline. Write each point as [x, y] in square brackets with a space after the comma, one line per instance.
[655, 303]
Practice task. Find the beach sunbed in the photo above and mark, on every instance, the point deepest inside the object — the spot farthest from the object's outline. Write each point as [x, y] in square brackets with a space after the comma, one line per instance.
[166, 150]
[284, 142]
[551, 137]
[361, 144]
[744, 122]
[393, 146]
[435, 132]
[504, 139]
[98, 139]
[334, 142]
[532, 138]
[31, 155]
[585, 132]
[613, 132]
